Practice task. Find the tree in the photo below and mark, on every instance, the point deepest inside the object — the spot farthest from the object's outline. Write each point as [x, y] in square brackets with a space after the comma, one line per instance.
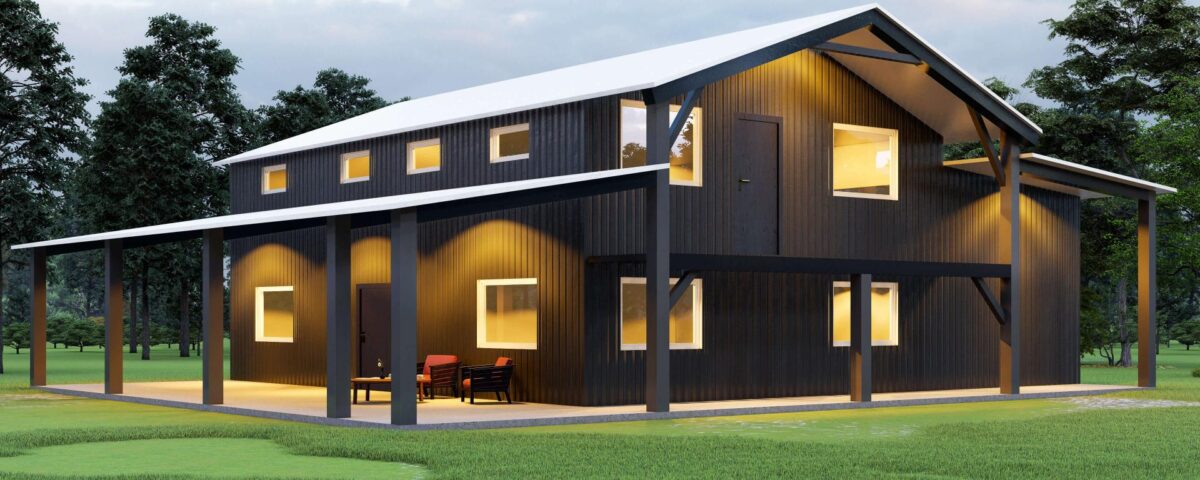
[83, 332]
[335, 96]
[42, 117]
[56, 324]
[16, 335]
[1187, 333]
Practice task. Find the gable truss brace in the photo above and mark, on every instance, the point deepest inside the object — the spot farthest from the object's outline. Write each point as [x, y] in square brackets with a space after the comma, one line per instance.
[985, 139]
[997, 310]
[681, 286]
[830, 47]
[681, 117]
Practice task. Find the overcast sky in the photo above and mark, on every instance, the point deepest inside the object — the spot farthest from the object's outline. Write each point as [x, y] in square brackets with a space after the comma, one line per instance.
[422, 47]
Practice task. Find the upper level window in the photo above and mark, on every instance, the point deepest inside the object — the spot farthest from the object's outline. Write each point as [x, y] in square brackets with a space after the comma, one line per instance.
[274, 179]
[425, 156]
[356, 166]
[274, 314]
[686, 318]
[884, 314]
[507, 313]
[509, 143]
[865, 163]
[686, 154]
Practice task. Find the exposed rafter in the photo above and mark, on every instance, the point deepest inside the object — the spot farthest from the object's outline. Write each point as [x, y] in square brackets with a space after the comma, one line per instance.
[992, 303]
[681, 286]
[864, 52]
[681, 117]
[985, 139]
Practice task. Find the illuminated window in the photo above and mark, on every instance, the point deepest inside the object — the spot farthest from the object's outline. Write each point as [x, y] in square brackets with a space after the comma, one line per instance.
[507, 313]
[865, 162]
[274, 179]
[425, 156]
[884, 324]
[509, 143]
[686, 153]
[274, 314]
[686, 318]
[356, 167]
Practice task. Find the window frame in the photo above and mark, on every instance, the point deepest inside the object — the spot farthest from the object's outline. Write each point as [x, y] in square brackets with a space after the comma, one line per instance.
[697, 114]
[894, 319]
[481, 340]
[345, 162]
[412, 159]
[266, 178]
[258, 314]
[893, 144]
[494, 143]
[697, 315]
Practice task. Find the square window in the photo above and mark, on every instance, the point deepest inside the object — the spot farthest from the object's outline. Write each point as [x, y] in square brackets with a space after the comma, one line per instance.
[884, 314]
[509, 143]
[686, 317]
[274, 179]
[274, 314]
[356, 167]
[425, 156]
[686, 154]
[865, 162]
[507, 313]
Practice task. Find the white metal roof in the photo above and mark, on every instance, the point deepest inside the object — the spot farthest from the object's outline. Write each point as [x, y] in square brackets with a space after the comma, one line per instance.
[378, 204]
[636, 71]
[980, 166]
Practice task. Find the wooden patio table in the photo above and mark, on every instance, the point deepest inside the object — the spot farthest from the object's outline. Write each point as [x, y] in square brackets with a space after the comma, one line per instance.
[366, 382]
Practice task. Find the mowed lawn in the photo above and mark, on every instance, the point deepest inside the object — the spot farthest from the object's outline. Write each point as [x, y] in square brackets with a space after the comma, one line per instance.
[1127, 435]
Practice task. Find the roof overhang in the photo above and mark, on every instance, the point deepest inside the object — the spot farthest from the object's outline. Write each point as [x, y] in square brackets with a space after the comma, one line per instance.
[1068, 177]
[430, 206]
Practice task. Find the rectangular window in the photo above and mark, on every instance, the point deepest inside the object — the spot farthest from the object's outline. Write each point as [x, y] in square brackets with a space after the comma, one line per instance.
[884, 314]
[686, 317]
[686, 154]
[356, 167]
[865, 162]
[509, 143]
[274, 314]
[507, 313]
[274, 179]
[425, 156]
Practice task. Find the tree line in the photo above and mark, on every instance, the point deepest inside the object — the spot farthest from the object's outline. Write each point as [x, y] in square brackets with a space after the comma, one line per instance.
[145, 158]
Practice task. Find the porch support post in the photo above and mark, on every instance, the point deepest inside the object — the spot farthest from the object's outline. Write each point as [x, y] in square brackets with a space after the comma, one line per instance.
[1010, 253]
[212, 318]
[337, 317]
[114, 316]
[860, 337]
[1147, 292]
[404, 316]
[37, 327]
[657, 237]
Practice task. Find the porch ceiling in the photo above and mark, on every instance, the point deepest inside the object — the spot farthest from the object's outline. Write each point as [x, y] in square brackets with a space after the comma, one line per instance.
[1068, 177]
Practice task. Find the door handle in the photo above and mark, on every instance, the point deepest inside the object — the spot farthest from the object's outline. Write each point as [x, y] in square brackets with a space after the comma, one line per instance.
[743, 180]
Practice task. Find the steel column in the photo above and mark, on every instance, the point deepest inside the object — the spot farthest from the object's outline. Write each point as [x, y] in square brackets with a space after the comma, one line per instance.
[337, 317]
[1147, 293]
[212, 317]
[37, 327]
[114, 317]
[860, 338]
[1010, 287]
[657, 238]
[404, 316]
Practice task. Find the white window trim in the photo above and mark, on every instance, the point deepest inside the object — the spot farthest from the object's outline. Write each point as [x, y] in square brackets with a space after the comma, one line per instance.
[893, 144]
[266, 178]
[697, 316]
[258, 315]
[481, 312]
[697, 142]
[494, 143]
[345, 171]
[412, 158]
[894, 340]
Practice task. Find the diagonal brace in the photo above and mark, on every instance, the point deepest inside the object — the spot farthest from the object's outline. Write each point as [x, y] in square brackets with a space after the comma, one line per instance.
[681, 117]
[681, 286]
[985, 139]
[997, 310]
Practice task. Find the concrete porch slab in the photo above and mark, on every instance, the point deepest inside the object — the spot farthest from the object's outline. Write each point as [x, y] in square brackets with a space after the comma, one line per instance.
[307, 404]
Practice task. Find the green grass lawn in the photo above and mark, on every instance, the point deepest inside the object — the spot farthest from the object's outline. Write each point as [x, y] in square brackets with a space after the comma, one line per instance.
[63, 437]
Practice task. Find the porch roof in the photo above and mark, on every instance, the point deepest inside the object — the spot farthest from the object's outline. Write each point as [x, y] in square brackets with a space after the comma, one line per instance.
[1069, 177]
[446, 203]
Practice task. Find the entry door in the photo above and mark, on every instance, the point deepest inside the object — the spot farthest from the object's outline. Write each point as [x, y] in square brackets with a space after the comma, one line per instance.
[756, 185]
[374, 329]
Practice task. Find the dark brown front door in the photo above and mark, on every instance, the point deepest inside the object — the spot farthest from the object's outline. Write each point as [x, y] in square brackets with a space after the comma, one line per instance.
[374, 329]
[756, 185]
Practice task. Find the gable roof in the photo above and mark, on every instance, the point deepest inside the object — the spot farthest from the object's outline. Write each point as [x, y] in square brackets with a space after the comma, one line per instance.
[703, 60]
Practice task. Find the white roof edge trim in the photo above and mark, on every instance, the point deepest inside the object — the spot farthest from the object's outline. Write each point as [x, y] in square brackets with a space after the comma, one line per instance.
[407, 200]
[1158, 189]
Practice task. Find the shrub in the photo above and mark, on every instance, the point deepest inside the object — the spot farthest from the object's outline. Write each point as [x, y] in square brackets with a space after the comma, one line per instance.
[1196, 372]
